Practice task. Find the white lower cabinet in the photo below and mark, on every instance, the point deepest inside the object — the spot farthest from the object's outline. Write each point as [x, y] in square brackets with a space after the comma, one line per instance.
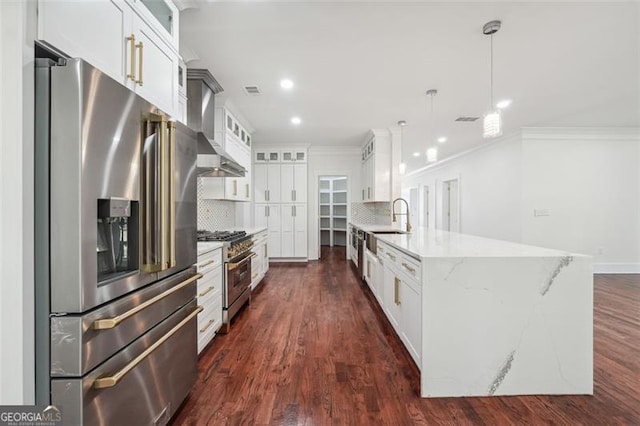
[294, 230]
[260, 262]
[402, 297]
[209, 296]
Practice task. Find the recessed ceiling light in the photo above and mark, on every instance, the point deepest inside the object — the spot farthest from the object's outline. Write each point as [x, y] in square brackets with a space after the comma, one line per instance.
[432, 155]
[286, 84]
[442, 139]
[503, 104]
[296, 120]
[416, 154]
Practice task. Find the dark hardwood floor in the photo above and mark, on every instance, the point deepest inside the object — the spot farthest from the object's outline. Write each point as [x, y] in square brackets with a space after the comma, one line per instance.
[315, 349]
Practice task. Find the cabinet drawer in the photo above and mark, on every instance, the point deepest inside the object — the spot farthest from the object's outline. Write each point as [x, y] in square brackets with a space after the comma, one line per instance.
[209, 260]
[210, 283]
[209, 320]
[411, 267]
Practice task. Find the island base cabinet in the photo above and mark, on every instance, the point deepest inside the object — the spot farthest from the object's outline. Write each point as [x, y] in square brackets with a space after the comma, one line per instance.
[411, 335]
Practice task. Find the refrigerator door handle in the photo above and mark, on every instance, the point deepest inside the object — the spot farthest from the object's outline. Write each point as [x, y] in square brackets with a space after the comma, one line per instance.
[110, 381]
[106, 323]
[172, 194]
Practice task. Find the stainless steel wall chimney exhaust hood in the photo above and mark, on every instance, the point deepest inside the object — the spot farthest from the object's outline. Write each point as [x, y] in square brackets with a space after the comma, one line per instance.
[212, 161]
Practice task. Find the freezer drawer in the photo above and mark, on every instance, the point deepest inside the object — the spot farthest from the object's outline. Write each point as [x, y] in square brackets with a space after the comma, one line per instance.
[78, 343]
[123, 392]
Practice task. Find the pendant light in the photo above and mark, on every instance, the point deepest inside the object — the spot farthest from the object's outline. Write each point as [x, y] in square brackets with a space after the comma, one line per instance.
[402, 167]
[492, 122]
[432, 152]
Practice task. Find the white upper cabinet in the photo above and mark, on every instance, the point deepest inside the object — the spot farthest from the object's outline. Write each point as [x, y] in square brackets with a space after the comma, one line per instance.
[266, 183]
[376, 167]
[293, 178]
[163, 15]
[267, 156]
[294, 155]
[121, 38]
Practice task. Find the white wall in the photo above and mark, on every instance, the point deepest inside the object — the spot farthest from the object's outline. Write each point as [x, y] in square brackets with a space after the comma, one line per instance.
[490, 190]
[589, 181]
[330, 161]
[17, 33]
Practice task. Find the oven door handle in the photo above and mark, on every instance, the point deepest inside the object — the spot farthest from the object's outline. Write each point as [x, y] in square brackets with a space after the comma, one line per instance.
[233, 266]
[110, 381]
[106, 323]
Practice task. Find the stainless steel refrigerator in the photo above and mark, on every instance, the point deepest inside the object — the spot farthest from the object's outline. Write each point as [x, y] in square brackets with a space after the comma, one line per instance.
[115, 248]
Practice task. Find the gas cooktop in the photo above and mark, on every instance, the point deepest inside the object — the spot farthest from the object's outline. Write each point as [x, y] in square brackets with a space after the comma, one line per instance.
[225, 236]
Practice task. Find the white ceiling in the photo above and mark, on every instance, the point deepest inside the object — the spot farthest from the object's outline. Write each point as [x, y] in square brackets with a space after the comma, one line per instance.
[363, 65]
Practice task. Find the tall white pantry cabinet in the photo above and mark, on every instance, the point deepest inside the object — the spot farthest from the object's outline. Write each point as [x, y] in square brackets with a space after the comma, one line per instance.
[280, 196]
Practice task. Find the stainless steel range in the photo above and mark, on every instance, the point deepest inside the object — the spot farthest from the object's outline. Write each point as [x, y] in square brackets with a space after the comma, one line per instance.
[236, 254]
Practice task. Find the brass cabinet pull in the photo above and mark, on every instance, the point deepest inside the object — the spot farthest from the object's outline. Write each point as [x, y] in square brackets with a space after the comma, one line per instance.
[110, 381]
[266, 251]
[140, 46]
[202, 265]
[203, 329]
[369, 192]
[132, 65]
[247, 191]
[369, 268]
[295, 195]
[207, 291]
[392, 257]
[363, 194]
[106, 323]
[235, 187]
[396, 291]
[268, 211]
[268, 195]
[409, 268]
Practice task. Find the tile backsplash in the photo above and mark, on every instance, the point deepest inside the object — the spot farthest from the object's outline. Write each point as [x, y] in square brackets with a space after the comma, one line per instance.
[215, 215]
[371, 213]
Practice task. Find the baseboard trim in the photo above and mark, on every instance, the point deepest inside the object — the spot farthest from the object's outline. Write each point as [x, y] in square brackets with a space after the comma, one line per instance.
[616, 268]
[288, 259]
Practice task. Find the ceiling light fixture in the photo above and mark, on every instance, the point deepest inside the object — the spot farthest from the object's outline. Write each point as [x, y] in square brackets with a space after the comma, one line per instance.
[492, 122]
[286, 84]
[402, 167]
[503, 104]
[416, 154]
[296, 120]
[442, 139]
[432, 155]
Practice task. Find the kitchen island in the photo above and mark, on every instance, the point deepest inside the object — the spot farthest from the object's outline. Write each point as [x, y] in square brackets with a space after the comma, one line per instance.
[484, 317]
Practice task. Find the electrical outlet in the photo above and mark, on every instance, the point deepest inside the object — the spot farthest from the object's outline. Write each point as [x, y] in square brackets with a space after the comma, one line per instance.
[541, 212]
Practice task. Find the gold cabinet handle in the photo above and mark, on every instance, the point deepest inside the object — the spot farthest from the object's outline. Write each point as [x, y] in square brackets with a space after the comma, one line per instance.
[396, 291]
[409, 268]
[132, 59]
[363, 194]
[203, 329]
[106, 323]
[369, 192]
[202, 265]
[235, 187]
[110, 381]
[392, 257]
[247, 191]
[207, 291]
[369, 268]
[140, 48]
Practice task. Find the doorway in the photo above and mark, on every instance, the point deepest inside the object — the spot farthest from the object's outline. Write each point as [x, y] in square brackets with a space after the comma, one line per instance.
[332, 213]
[451, 205]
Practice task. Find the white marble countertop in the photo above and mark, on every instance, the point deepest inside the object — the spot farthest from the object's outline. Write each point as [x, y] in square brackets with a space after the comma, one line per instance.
[428, 243]
[207, 246]
[254, 230]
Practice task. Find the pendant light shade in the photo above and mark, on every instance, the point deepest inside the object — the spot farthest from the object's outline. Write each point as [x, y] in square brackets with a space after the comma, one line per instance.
[492, 122]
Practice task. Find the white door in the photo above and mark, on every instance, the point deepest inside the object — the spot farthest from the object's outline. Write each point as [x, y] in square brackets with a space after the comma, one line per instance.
[450, 206]
[300, 230]
[300, 183]
[426, 206]
[274, 228]
[287, 179]
[414, 207]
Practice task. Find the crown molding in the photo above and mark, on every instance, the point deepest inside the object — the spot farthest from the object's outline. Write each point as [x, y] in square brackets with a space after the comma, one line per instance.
[581, 133]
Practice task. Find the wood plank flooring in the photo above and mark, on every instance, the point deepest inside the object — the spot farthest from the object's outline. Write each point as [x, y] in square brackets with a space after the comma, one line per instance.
[315, 349]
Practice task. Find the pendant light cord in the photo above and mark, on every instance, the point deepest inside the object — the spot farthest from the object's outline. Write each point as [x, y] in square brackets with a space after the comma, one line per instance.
[491, 106]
